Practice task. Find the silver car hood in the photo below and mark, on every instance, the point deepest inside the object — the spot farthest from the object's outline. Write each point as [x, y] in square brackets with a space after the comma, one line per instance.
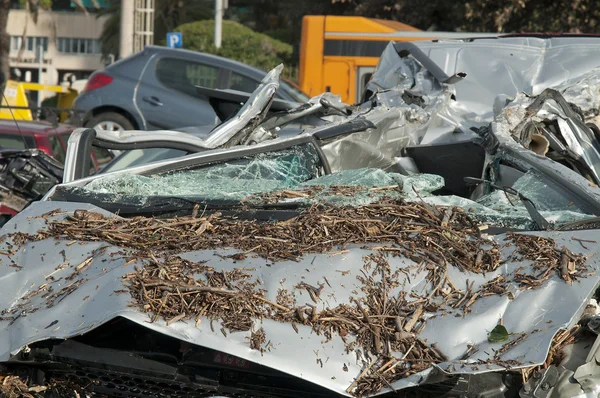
[96, 295]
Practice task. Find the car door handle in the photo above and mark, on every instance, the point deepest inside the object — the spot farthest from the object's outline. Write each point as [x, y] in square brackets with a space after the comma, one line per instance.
[153, 101]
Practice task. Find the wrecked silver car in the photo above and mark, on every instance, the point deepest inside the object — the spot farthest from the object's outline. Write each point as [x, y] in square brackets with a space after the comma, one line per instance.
[438, 239]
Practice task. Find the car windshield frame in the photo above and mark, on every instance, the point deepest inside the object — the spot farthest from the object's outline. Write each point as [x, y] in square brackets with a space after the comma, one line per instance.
[190, 162]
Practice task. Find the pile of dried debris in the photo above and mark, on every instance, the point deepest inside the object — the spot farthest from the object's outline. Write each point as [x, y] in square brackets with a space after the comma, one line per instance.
[13, 386]
[316, 192]
[381, 325]
[417, 230]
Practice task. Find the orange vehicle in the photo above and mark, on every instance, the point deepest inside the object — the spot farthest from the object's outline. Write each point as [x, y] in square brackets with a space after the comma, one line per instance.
[338, 53]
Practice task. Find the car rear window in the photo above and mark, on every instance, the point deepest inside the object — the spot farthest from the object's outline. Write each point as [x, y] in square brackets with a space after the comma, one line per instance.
[183, 76]
[16, 141]
[242, 83]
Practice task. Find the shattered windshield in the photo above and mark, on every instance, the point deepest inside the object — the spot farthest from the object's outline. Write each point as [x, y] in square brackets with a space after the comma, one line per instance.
[233, 179]
[292, 176]
[507, 210]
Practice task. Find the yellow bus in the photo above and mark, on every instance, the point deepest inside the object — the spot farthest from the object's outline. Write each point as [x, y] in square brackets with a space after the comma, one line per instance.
[339, 53]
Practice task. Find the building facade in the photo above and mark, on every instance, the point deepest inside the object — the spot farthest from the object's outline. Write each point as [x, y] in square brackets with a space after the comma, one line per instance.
[69, 42]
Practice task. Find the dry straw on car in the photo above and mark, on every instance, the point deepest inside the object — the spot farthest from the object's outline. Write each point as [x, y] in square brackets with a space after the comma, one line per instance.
[381, 325]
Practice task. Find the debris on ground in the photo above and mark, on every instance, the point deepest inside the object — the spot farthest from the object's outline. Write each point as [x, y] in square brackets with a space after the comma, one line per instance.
[13, 387]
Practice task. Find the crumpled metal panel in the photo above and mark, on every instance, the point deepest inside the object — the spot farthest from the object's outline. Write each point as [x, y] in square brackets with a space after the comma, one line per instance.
[512, 65]
[553, 306]
[403, 74]
[233, 131]
[372, 148]
[552, 106]
[509, 118]
[498, 71]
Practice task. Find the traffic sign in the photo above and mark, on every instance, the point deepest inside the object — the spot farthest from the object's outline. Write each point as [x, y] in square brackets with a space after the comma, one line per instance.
[174, 39]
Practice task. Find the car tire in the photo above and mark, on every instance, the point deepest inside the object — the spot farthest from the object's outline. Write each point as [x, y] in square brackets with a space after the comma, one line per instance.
[115, 121]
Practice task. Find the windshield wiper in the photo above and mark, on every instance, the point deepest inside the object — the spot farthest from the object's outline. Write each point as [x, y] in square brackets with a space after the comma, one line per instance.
[157, 202]
[540, 222]
[227, 208]
[573, 225]
[160, 203]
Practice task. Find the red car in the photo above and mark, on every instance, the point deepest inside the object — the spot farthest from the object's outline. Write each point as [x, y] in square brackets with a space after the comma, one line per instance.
[45, 137]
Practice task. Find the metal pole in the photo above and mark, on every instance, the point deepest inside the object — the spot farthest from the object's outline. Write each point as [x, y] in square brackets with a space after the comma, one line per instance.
[127, 28]
[40, 54]
[218, 22]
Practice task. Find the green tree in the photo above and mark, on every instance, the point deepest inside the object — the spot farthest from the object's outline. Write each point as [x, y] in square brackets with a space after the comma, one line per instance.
[239, 43]
[109, 39]
[4, 40]
[509, 16]
[283, 18]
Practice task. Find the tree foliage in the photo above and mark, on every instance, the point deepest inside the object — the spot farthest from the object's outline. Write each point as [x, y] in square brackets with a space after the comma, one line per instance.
[239, 43]
[508, 16]
[284, 18]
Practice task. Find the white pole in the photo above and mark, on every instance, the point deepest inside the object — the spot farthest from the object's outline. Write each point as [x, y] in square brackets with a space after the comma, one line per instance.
[127, 28]
[40, 54]
[218, 22]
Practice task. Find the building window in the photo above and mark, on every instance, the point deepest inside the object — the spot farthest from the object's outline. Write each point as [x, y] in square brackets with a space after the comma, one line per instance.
[31, 43]
[15, 43]
[78, 46]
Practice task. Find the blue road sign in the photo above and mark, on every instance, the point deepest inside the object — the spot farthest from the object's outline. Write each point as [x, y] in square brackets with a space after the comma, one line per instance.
[174, 39]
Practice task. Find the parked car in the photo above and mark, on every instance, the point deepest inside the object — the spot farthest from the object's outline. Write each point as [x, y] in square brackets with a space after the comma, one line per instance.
[31, 159]
[438, 240]
[47, 138]
[155, 89]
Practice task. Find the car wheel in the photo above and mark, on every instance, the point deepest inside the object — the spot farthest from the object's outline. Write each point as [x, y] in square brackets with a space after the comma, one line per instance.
[110, 121]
